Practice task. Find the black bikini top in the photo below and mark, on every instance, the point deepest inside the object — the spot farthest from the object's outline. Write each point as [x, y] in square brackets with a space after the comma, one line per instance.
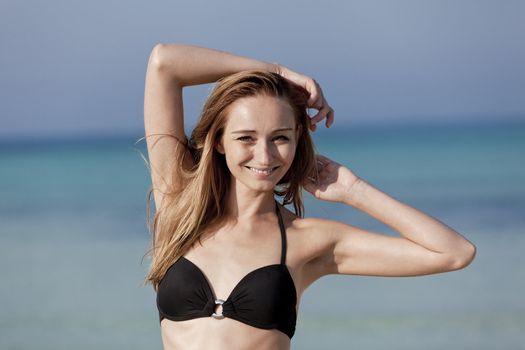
[264, 298]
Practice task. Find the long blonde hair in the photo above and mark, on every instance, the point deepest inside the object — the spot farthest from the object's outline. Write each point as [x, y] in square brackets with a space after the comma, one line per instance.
[200, 202]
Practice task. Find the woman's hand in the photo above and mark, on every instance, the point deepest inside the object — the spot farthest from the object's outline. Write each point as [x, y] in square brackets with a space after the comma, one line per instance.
[335, 182]
[316, 100]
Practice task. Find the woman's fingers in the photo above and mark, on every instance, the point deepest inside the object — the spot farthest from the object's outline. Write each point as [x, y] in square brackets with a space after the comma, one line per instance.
[316, 94]
[330, 118]
[323, 158]
[325, 112]
[322, 164]
[316, 99]
[323, 161]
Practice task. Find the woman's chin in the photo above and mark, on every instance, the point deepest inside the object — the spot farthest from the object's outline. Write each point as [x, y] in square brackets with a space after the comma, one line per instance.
[260, 185]
[263, 187]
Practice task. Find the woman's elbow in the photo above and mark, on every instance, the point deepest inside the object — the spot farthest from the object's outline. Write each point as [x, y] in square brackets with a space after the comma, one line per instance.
[155, 57]
[464, 257]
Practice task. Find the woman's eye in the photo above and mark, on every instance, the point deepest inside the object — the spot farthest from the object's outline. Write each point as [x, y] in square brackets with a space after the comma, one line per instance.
[282, 137]
[250, 139]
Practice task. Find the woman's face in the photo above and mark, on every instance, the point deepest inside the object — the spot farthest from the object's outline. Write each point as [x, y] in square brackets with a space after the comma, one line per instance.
[259, 141]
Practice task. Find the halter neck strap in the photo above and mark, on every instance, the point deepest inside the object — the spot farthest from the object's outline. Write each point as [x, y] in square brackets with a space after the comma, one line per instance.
[283, 234]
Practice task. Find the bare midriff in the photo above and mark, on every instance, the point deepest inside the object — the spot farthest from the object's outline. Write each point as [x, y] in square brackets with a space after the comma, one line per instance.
[209, 333]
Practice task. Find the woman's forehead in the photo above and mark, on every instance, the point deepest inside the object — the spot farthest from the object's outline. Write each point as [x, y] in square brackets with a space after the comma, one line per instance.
[260, 113]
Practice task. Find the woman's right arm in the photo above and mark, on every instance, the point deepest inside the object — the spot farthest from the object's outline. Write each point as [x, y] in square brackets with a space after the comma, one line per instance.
[171, 67]
[192, 65]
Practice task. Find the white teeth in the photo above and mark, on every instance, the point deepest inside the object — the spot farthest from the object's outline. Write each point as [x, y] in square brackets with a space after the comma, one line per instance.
[262, 171]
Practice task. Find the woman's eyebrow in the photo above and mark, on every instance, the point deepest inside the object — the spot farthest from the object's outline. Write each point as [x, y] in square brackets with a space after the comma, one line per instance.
[248, 131]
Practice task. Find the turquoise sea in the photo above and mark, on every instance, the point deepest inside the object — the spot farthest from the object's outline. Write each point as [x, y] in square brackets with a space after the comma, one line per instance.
[73, 234]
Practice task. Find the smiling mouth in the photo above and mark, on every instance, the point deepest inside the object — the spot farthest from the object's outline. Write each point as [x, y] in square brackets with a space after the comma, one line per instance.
[266, 171]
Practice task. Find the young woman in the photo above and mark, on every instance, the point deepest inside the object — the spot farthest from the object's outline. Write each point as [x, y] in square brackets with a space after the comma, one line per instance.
[229, 263]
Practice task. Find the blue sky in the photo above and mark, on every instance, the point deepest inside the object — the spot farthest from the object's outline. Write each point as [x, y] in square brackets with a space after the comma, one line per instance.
[77, 68]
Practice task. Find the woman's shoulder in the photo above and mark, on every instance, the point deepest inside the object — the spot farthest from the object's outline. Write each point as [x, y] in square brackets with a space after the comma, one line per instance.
[310, 241]
[306, 225]
[309, 236]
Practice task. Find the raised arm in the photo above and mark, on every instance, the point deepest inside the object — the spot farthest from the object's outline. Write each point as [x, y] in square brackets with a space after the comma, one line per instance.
[172, 67]
[426, 245]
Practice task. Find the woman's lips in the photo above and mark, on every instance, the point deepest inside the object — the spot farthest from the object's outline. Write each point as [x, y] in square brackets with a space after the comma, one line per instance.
[262, 171]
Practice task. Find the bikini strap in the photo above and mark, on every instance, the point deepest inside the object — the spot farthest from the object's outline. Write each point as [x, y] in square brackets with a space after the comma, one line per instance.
[283, 234]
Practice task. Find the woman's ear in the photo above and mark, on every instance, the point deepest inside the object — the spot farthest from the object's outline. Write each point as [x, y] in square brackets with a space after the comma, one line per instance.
[219, 146]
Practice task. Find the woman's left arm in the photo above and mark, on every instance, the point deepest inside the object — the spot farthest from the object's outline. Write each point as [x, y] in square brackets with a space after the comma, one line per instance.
[427, 245]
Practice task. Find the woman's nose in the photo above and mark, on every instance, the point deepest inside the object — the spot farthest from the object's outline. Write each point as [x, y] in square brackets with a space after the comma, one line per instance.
[264, 153]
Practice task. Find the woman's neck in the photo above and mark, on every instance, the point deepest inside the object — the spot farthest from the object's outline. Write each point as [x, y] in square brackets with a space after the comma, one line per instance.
[248, 205]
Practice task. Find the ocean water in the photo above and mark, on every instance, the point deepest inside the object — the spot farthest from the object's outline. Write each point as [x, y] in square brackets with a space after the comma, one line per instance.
[73, 234]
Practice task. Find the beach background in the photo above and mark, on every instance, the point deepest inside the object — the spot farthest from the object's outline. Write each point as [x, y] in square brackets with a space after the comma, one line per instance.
[73, 235]
[445, 134]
